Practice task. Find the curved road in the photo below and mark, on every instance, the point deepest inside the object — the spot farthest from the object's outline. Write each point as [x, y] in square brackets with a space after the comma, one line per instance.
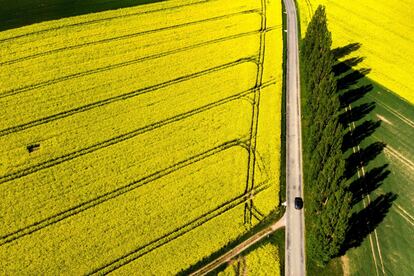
[295, 223]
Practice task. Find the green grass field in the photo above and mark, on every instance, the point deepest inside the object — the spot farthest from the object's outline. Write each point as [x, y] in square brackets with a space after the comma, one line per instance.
[392, 243]
[140, 139]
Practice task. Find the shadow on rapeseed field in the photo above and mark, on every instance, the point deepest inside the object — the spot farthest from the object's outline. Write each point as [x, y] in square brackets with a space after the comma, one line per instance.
[15, 14]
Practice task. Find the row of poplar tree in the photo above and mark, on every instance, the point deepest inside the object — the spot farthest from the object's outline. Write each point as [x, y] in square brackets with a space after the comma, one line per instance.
[328, 200]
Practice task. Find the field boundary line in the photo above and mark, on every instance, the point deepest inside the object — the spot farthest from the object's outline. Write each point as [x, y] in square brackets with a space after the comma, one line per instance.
[106, 19]
[251, 165]
[41, 84]
[123, 96]
[117, 192]
[139, 252]
[108, 40]
[121, 138]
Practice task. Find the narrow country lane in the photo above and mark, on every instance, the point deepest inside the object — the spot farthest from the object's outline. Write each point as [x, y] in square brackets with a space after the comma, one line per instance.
[240, 248]
[293, 219]
[295, 224]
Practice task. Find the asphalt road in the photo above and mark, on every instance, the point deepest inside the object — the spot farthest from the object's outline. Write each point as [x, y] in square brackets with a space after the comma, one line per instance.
[240, 248]
[295, 223]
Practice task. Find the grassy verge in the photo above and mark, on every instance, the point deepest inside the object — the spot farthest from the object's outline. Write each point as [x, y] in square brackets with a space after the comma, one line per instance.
[282, 179]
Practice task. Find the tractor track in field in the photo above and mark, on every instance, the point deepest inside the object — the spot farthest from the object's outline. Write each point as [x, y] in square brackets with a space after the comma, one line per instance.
[86, 107]
[31, 87]
[141, 251]
[9, 93]
[252, 189]
[117, 192]
[119, 38]
[122, 137]
[124, 96]
[106, 19]
[395, 113]
[255, 115]
[404, 214]
[399, 157]
[361, 174]
[232, 253]
[257, 214]
[309, 8]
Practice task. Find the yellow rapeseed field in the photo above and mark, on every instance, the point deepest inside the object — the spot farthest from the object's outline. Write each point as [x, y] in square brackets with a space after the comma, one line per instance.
[262, 261]
[384, 28]
[138, 140]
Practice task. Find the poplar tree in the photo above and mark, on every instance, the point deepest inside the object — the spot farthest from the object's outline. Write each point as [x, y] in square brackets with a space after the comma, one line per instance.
[328, 200]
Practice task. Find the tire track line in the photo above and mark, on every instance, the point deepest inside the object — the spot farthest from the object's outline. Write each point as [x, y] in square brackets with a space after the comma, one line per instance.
[117, 192]
[309, 8]
[122, 97]
[361, 174]
[400, 157]
[255, 113]
[370, 235]
[375, 231]
[122, 137]
[118, 38]
[404, 211]
[396, 114]
[122, 64]
[107, 19]
[405, 215]
[143, 250]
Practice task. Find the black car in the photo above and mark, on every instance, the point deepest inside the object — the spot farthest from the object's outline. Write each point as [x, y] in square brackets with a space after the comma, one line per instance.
[298, 203]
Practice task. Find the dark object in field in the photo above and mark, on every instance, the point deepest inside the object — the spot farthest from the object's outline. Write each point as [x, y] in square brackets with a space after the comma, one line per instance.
[33, 147]
[298, 203]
